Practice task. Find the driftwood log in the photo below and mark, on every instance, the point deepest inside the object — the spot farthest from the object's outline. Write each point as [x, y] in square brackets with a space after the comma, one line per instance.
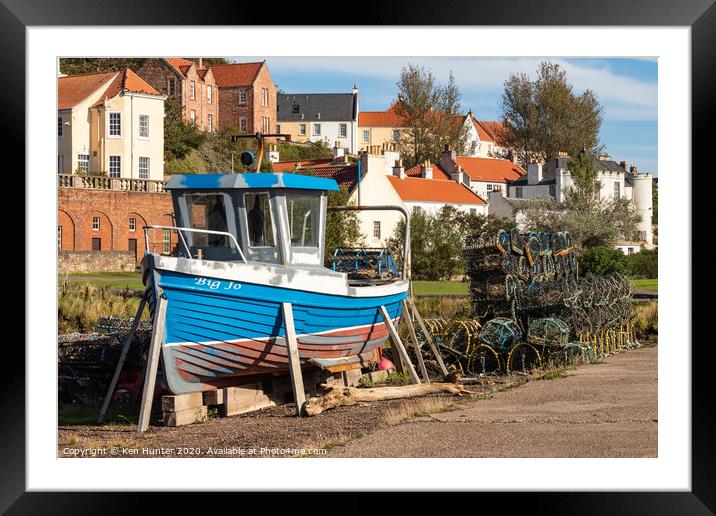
[337, 396]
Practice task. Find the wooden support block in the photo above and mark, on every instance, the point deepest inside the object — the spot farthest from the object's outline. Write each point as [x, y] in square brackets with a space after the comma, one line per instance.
[214, 397]
[352, 377]
[186, 417]
[245, 405]
[182, 402]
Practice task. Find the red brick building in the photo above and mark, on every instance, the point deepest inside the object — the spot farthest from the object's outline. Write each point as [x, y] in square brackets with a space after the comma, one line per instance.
[190, 83]
[106, 214]
[247, 99]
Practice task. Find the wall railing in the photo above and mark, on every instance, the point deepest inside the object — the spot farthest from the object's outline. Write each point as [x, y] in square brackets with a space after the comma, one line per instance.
[109, 183]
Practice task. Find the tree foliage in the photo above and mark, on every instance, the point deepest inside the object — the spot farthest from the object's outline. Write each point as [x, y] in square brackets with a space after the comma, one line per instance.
[180, 137]
[294, 152]
[603, 260]
[437, 240]
[431, 114]
[545, 116]
[591, 221]
[342, 227]
[74, 66]
[644, 264]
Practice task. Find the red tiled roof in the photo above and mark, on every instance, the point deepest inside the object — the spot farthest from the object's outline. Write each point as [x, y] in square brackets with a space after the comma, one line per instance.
[180, 64]
[235, 74]
[488, 169]
[438, 173]
[289, 166]
[129, 81]
[434, 190]
[345, 175]
[73, 89]
[388, 118]
[494, 129]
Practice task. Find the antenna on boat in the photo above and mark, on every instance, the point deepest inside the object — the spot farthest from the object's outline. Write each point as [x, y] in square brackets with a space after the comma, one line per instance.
[247, 157]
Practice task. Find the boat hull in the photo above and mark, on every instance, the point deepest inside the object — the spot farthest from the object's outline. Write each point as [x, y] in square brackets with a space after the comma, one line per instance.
[218, 329]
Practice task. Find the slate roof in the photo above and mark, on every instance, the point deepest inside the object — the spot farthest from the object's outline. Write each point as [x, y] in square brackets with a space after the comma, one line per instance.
[316, 107]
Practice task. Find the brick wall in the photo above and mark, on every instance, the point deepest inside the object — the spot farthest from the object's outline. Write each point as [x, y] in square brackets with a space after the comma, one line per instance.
[78, 207]
[231, 109]
[263, 80]
[87, 261]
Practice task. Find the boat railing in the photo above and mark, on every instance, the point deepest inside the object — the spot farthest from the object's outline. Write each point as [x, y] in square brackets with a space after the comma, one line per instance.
[406, 233]
[180, 232]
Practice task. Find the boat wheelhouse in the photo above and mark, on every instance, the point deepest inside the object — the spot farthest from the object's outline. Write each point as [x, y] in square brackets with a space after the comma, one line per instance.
[248, 243]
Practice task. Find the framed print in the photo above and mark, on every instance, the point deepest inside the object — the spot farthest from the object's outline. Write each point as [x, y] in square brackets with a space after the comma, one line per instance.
[226, 285]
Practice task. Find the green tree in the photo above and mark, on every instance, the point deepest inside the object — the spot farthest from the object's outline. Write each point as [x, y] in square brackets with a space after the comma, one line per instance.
[74, 66]
[431, 114]
[644, 264]
[603, 260]
[545, 116]
[342, 227]
[294, 152]
[180, 137]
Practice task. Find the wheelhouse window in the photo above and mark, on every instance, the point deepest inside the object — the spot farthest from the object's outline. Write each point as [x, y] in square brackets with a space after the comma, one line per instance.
[258, 217]
[115, 124]
[304, 219]
[207, 211]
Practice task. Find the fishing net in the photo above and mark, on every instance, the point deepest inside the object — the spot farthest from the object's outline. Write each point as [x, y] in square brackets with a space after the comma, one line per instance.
[500, 333]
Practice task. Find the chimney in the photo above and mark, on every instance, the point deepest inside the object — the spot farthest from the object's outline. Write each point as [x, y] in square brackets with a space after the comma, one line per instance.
[534, 173]
[459, 175]
[447, 161]
[562, 154]
[623, 164]
[426, 170]
[633, 169]
[398, 169]
[355, 89]
[337, 150]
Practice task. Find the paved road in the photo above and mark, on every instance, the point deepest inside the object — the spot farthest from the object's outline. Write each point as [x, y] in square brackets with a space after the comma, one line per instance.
[599, 410]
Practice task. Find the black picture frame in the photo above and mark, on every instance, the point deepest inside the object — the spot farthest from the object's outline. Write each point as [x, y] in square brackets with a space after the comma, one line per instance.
[700, 15]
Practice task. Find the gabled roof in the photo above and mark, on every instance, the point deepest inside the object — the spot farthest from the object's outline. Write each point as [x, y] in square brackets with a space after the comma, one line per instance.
[179, 64]
[388, 118]
[494, 129]
[73, 89]
[434, 190]
[235, 74]
[290, 166]
[489, 169]
[316, 107]
[127, 81]
[438, 173]
[345, 175]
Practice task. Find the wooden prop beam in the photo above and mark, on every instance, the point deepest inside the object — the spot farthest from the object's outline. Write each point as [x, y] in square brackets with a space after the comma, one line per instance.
[428, 337]
[294, 362]
[122, 358]
[399, 345]
[150, 375]
[416, 345]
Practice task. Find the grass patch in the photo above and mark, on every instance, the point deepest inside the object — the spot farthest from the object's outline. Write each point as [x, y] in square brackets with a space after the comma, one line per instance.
[392, 378]
[417, 407]
[86, 414]
[646, 284]
[646, 320]
[79, 306]
[554, 374]
[117, 280]
[440, 288]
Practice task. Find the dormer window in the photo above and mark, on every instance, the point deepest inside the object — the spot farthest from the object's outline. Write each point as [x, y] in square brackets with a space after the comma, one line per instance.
[295, 109]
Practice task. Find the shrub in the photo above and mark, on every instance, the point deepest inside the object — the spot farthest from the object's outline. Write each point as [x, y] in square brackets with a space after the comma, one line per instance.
[603, 260]
[646, 320]
[644, 264]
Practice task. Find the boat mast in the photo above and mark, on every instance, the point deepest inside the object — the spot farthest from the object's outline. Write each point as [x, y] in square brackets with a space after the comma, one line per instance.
[260, 137]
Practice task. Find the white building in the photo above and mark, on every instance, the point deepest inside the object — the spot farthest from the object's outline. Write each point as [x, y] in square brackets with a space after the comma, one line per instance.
[553, 178]
[328, 117]
[483, 140]
[110, 124]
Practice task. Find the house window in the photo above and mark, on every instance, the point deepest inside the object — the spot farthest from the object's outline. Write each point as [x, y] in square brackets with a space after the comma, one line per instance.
[209, 123]
[192, 90]
[316, 129]
[302, 129]
[518, 192]
[417, 210]
[171, 86]
[617, 190]
[278, 128]
[242, 97]
[132, 224]
[366, 136]
[295, 109]
[144, 126]
[59, 237]
[192, 116]
[166, 241]
[265, 124]
[376, 229]
[59, 127]
[242, 123]
[265, 97]
[473, 211]
[83, 162]
[115, 166]
[115, 124]
[209, 93]
[143, 167]
[95, 223]
[489, 188]
[396, 135]
[630, 250]
[343, 130]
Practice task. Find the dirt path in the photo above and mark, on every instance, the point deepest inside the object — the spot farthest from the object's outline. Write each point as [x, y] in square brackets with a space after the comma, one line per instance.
[601, 410]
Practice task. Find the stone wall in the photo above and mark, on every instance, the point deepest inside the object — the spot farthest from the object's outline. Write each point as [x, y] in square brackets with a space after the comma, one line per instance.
[89, 261]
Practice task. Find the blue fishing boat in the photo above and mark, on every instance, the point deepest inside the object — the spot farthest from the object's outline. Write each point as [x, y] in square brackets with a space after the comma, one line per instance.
[247, 244]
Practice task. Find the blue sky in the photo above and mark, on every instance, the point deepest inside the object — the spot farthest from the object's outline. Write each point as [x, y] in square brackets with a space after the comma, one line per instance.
[626, 89]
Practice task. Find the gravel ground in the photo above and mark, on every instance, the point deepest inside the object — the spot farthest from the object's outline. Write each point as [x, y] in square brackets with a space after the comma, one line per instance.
[600, 410]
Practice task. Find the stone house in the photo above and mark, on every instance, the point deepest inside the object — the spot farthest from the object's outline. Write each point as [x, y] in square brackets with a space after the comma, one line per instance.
[190, 83]
[247, 96]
